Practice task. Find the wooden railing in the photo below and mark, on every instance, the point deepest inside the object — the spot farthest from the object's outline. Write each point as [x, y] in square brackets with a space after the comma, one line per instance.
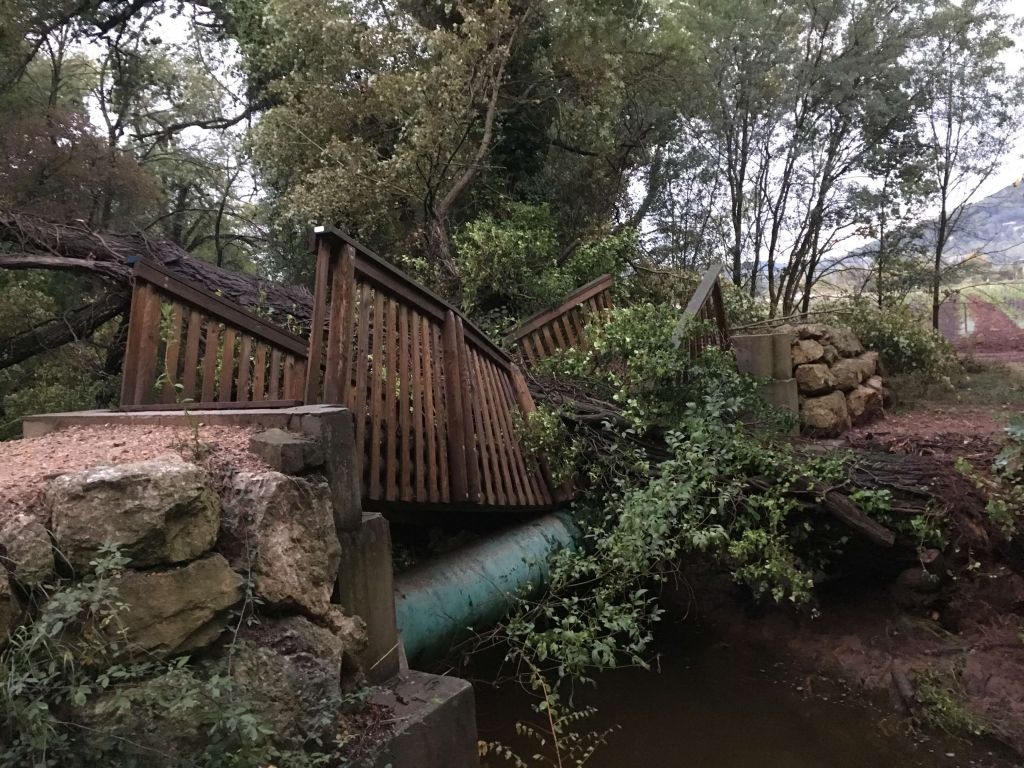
[436, 404]
[547, 332]
[706, 307]
[189, 347]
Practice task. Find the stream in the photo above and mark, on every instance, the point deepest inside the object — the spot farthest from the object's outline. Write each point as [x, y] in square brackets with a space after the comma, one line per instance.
[709, 705]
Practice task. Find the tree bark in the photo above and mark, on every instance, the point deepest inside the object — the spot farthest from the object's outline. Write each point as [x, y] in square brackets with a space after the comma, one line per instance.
[72, 326]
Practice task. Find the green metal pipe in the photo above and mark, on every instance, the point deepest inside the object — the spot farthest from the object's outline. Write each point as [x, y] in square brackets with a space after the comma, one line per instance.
[471, 589]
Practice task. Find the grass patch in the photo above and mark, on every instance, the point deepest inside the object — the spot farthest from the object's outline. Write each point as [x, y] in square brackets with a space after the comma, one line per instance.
[942, 704]
[983, 384]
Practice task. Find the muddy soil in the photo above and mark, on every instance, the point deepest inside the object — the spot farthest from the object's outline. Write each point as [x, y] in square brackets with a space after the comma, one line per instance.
[985, 328]
[960, 633]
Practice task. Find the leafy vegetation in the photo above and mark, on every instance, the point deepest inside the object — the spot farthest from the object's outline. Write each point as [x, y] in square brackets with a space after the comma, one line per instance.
[73, 696]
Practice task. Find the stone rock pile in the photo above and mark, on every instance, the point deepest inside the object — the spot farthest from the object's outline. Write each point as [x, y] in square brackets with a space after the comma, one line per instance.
[199, 562]
[840, 383]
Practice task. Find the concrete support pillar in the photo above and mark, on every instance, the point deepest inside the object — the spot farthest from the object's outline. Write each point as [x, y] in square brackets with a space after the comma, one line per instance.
[366, 589]
[434, 723]
[754, 355]
[782, 355]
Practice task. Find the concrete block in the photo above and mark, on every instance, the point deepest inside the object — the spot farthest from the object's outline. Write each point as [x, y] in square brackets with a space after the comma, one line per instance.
[782, 355]
[366, 589]
[287, 452]
[754, 355]
[785, 396]
[435, 723]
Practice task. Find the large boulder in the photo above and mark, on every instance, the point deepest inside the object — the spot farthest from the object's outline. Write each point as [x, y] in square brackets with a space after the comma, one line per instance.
[869, 363]
[864, 404]
[845, 342]
[157, 512]
[11, 609]
[807, 351]
[280, 529]
[814, 379]
[848, 373]
[172, 611]
[825, 416]
[812, 331]
[26, 550]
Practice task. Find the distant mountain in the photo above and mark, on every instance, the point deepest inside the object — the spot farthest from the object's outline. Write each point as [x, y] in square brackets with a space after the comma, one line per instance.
[993, 225]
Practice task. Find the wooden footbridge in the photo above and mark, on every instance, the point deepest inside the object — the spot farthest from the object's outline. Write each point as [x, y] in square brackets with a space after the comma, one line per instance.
[436, 404]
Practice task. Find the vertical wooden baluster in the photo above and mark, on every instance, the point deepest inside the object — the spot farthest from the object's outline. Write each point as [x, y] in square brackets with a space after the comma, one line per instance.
[430, 458]
[190, 367]
[244, 363]
[405, 397]
[489, 459]
[525, 400]
[488, 406]
[441, 409]
[227, 366]
[556, 327]
[210, 354]
[171, 354]
[275, 374]
[377, 372]
[391, 402]
[468, 385]
[259, 373]
[455, 412]
[361, 363]
[419, 398]
[518, 482]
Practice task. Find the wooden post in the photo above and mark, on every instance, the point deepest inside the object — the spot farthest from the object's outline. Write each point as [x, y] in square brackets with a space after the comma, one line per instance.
[455, 410]
[316, 326]
[141, 349]
[471, 407]
[339, 331]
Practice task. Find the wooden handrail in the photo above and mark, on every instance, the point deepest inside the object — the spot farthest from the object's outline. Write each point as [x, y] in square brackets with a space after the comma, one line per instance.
[709, 290]
[221, 308]
[380, 273]
[545, 316]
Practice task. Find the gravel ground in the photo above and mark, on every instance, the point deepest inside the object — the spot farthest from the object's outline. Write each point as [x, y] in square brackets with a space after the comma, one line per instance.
[26, 465]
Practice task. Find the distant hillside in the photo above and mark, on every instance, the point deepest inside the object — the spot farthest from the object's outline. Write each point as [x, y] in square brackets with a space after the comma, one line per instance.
[994, 226]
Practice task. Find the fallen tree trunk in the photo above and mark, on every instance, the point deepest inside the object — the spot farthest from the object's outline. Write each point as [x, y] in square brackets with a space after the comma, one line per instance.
[27, 242]
[74, 325]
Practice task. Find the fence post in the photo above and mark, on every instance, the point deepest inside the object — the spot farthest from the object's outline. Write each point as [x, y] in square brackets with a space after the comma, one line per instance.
[316, 325]
[141, 347]
[339, 330]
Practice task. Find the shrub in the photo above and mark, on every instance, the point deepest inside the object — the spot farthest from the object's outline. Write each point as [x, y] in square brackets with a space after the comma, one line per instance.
[903, 338]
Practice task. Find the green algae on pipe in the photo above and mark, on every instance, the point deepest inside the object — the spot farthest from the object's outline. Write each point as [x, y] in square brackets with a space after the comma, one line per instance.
[471, 589]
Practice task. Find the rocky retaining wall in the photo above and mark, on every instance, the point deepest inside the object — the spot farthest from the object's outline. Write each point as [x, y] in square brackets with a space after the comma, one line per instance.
[840, 383]
[235, 569]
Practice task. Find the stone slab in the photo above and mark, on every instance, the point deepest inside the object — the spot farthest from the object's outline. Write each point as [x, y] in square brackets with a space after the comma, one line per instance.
[294, 418]
[435, 722]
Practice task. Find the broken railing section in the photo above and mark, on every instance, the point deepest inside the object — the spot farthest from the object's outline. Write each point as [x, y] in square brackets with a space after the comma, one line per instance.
[189, 347]
[707, 307]
[437, 405]
[546, 332]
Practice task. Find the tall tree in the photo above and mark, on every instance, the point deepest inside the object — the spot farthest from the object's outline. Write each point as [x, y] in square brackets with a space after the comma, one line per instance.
[972, 114]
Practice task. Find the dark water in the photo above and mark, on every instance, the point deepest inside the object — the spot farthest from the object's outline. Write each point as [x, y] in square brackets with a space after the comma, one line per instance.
[714, 706]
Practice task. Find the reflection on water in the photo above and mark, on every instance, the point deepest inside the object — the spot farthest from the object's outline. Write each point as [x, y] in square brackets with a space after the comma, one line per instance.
[714, 706]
